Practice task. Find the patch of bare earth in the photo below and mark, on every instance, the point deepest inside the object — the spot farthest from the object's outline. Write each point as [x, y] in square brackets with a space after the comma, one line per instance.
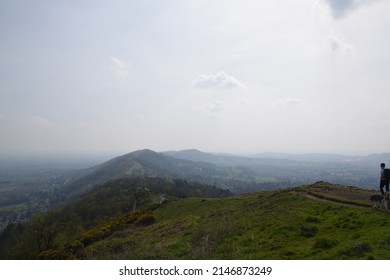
[349, 195]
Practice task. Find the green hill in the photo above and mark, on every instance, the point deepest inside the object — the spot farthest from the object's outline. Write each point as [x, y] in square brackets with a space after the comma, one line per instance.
[238, 174]
[319, 221]
[147, 163]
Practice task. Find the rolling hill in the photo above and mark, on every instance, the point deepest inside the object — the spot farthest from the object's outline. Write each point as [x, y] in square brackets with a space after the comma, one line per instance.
[238, 174]
[317, 221]
[147, 163]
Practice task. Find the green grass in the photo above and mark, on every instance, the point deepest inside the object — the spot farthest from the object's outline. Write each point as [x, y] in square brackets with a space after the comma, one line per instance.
[265, 225]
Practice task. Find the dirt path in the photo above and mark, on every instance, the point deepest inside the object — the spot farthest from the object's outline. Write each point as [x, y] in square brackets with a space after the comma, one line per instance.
[339, 195]
[334, 202]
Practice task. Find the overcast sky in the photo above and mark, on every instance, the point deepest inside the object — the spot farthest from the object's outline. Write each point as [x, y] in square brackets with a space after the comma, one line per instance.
[238, 76]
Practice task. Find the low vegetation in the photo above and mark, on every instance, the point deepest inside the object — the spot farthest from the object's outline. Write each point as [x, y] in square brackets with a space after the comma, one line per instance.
[282, 224]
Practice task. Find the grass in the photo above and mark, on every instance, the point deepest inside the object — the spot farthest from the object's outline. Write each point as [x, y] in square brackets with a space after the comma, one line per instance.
[265, 225]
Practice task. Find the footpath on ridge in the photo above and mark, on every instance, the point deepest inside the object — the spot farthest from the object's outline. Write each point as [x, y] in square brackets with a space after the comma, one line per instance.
[337, 194]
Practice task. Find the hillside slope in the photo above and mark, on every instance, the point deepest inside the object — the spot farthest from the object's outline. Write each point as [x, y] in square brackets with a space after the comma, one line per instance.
[238, 174]
[142, 163]
[319, 221]
[284, 224]
[147, 163]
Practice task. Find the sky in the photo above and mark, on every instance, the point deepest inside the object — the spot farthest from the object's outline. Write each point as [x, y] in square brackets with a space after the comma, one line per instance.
[234, 76]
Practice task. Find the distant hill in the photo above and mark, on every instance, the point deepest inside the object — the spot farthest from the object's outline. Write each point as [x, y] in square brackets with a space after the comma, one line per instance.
[367, 160]
[230, 159]
[142, 163]
[295, 169]
[236, 173]
[218, 159]
[317, 221]
[147, 163]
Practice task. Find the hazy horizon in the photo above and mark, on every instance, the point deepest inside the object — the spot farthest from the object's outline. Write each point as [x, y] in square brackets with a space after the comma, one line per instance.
[107, 155]
[240, 77]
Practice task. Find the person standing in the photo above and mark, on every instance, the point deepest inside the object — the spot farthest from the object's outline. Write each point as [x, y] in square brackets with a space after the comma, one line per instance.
[385, 178]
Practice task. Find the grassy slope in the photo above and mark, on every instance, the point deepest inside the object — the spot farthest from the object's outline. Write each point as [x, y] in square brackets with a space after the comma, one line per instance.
[284, 224]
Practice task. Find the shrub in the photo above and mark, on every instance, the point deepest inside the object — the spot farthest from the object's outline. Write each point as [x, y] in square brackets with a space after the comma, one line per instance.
[75, 248]
[308, 231]
[324, 243]
[357, 250]
[95, 234]
[51, 254]
[146, 218]
[384, 242]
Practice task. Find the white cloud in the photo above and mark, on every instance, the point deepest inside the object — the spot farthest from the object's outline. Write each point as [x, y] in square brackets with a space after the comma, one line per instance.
[120, 68]
[337, 44]
[333, 38]
[341, 8]
[218, 80]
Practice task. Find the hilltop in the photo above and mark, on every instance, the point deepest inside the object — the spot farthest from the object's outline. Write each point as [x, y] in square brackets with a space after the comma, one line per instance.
[239, 174]
[227, 174]
[317, 221]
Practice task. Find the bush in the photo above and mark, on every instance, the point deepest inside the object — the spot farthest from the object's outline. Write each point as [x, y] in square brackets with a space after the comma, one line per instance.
[146, 219]
[51, 254]
[324, 243]
[385, 242]
[357, 250]
[75, 248]
[308, 231]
